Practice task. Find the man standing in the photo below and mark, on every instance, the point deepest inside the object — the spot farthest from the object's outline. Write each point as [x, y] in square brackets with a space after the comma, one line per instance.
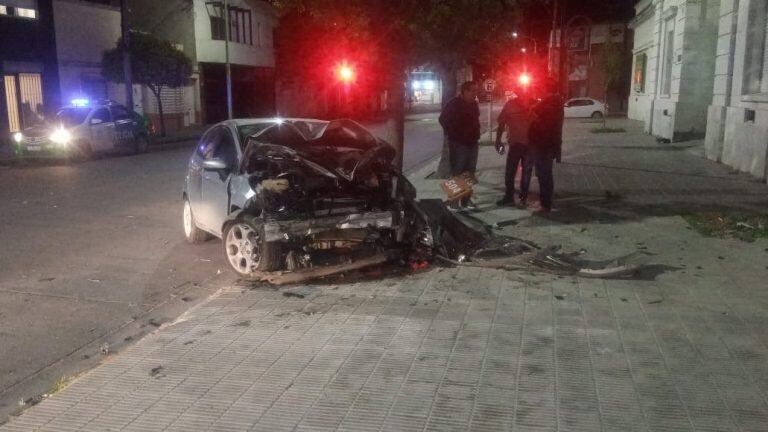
[460, 120]
[515, 119]
[546, 138]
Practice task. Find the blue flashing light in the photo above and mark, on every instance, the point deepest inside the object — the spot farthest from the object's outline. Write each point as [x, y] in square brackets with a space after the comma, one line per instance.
[80, 102]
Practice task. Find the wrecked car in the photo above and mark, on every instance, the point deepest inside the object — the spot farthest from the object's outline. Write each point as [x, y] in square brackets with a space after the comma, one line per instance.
[298, 199]
[297, 196]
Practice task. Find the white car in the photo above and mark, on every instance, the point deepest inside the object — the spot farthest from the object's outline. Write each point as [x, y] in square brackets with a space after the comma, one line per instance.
[585, 107]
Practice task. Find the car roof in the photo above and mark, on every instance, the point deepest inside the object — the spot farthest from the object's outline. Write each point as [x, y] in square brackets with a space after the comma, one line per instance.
[95, 104]
[583, 98]
[249, 121]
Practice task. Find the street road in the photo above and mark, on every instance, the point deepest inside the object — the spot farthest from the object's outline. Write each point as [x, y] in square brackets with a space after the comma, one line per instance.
[93, 253]
[424, 136]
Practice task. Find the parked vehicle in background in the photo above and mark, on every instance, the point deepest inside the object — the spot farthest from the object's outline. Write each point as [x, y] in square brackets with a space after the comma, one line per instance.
[585, 108]
[84, 128]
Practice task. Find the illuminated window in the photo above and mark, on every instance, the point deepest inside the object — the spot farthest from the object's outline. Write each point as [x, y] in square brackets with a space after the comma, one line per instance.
[20, 8]
[641, 61]
[26, 13]
[24, 100]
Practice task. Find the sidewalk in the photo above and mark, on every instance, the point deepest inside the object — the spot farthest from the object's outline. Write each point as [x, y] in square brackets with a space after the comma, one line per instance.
[681, 347]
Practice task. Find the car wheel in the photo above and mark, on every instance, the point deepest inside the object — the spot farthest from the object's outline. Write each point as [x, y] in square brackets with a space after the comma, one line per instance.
[192, 233]
[246, 250]
[81, 151]
[597, 115]
[141, 144]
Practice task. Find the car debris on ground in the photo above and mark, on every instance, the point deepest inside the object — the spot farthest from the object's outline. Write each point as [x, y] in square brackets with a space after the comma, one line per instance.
[314, 199]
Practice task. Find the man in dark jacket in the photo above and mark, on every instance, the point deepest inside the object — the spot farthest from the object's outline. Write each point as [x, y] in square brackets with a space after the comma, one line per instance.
[515, 120]
[546, 136]
[460, 120]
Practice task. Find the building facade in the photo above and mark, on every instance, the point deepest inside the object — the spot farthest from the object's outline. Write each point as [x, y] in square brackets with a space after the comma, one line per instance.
[674, 54]
[28, 64]
[737, 132]
[587, 46]
[50, 52]
[84, 30]
[197, 27]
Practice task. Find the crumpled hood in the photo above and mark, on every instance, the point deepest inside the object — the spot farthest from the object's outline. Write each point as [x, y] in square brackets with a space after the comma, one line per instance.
[347, 167]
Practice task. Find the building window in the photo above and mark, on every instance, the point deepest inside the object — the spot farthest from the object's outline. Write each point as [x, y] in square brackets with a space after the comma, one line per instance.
[24, 99]
[19, 8]
[669, 53]
[641, 61]
[217, 28]
[755, 59]
[240, 25]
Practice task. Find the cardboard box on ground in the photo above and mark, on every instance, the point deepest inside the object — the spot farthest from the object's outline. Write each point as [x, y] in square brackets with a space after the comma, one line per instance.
[459, 187]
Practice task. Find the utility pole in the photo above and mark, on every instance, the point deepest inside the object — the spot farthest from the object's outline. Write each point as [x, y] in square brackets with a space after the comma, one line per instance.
[226, 56]
[562, 66]
[126, 29]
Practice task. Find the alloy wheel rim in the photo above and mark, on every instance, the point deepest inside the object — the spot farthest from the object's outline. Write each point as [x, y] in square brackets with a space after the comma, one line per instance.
[242, 245]
[187, 219]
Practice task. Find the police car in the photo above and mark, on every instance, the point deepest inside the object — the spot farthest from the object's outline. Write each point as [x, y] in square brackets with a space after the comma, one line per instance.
[83, 128]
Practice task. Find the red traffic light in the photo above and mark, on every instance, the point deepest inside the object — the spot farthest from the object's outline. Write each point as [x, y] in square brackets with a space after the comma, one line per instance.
[524, 80]
[345, 73]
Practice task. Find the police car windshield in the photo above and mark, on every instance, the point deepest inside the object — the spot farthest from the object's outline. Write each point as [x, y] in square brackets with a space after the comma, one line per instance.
[72, 116]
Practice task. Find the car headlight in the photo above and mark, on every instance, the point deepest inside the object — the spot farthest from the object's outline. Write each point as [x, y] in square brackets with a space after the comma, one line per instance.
[61, 136]
[18, 137]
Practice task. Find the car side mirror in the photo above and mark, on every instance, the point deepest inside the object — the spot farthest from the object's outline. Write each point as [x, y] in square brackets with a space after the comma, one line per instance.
[215, 165]
[96, 121]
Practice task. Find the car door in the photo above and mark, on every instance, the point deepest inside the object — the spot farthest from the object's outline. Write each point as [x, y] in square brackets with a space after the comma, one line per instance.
[125, 125]
[214, 197]
[588, 108]
[575, 108]
[101, 130]
[194, 180]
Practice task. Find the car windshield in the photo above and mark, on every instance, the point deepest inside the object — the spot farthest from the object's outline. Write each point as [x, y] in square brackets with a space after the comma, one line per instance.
[251, 129]
[72, 116]
[304, 135]
[345, 133]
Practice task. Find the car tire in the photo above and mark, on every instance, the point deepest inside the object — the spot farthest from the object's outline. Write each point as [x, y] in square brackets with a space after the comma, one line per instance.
[141, 144]
[81, 151]
[192, 233]
[246, 251]
[597, 115]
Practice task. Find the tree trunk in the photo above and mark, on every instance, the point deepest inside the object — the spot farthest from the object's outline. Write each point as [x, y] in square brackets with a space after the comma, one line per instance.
[605, 101]
[159, 108]
[449, 92]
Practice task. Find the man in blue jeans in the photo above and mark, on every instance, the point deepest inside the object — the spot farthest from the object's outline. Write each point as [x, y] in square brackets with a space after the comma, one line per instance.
[460, 120]
[546, 137]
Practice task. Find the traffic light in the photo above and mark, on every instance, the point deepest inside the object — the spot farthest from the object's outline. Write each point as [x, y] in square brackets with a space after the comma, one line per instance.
[524, 79]
[345, 73]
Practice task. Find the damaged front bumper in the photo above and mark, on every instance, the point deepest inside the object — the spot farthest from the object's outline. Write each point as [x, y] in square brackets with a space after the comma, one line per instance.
[277, 231]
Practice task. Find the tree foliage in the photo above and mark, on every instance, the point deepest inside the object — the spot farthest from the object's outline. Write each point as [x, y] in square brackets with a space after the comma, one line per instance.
[443, 33]
[155, 63]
